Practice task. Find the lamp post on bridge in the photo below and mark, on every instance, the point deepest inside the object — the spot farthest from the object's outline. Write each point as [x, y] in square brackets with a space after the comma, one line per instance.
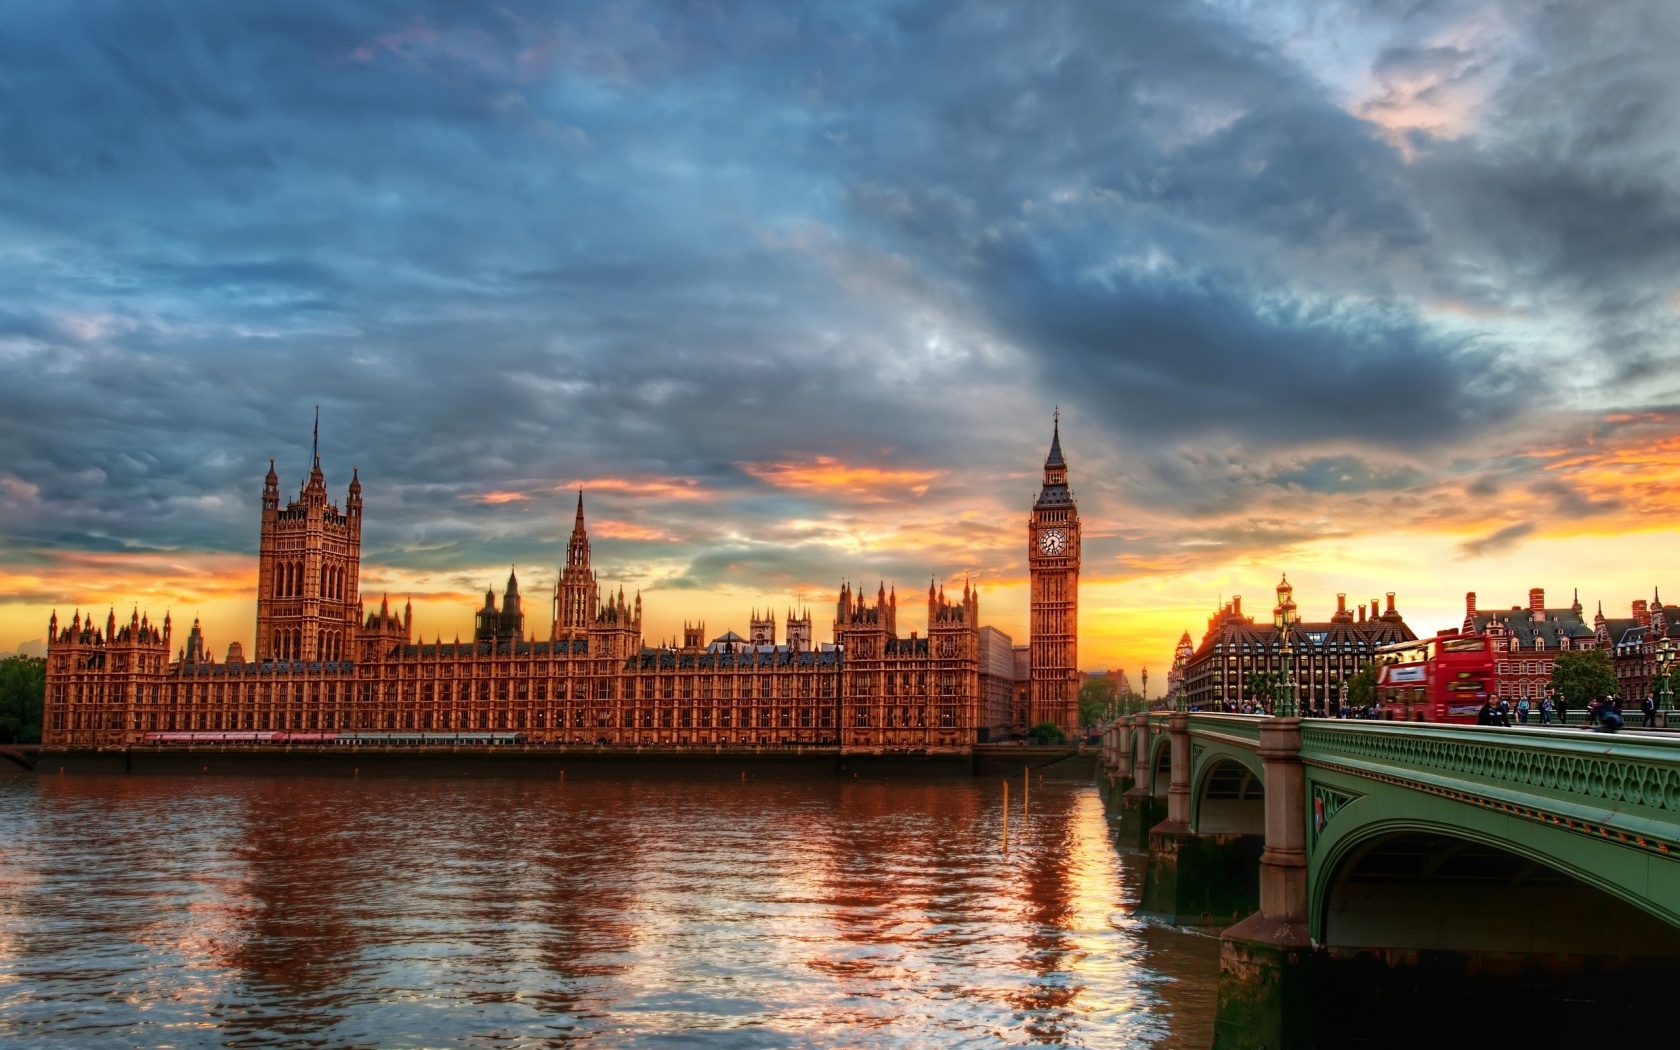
[1285, 705]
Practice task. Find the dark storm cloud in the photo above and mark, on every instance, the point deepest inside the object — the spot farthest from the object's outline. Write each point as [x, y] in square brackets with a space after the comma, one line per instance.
[1126, 296]
[1501, 538]
[525, 245]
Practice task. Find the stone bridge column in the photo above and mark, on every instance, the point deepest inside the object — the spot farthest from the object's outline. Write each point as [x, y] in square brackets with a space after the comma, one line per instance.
[1266, 961]
[1139, 810]
[1123, 749]
[1283, 865]
[1178, 792]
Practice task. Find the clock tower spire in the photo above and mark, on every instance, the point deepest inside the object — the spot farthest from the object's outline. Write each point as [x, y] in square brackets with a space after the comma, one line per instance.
[1053, 565]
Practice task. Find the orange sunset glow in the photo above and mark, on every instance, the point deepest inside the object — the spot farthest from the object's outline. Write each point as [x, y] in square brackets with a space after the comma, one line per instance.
[1148, 575]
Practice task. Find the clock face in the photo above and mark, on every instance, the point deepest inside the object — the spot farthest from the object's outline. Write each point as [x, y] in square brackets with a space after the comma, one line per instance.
[1052, 541]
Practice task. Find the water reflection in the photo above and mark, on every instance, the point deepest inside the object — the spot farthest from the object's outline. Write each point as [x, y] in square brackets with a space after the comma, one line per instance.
[318, 912]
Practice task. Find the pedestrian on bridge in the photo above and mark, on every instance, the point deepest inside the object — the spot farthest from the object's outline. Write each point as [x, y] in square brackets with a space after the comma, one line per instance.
[1649, 706]
[1609, 719]
[1546, 711]
[1522, 711]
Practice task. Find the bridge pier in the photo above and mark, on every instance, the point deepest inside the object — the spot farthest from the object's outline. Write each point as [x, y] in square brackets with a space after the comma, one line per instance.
[1140, 809]
[1117, 760]
[1196, 879]
[1266, 962]
[1122, 730]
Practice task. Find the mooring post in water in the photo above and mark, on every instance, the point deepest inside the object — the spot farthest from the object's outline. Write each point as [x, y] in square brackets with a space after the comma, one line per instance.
[1026, 790]
[1006, 816]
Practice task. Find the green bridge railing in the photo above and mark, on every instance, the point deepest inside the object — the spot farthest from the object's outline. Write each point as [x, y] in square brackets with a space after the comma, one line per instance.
[1620, 787]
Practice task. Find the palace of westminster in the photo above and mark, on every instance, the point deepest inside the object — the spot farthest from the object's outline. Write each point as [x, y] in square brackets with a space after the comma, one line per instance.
[323, 663]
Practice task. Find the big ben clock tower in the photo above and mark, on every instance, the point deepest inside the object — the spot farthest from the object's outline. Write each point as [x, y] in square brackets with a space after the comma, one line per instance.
[1053, 563]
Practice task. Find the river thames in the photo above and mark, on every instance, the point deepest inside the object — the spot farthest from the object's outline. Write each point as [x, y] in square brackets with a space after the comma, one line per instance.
[164, 911]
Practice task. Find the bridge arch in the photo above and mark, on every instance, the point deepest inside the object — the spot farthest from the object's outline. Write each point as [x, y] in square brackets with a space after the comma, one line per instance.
[1160, 764]
[1464, 883]
[1228, 793]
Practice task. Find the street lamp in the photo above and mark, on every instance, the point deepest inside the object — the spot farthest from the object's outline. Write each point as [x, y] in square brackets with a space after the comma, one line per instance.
[1343, 691]
[1285, 706]
[1665, 655]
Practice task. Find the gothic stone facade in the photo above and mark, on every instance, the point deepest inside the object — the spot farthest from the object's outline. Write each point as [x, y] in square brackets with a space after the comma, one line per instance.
[325, 664]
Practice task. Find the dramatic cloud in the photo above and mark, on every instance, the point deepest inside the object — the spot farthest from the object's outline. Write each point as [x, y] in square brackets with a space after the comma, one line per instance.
[790, 291]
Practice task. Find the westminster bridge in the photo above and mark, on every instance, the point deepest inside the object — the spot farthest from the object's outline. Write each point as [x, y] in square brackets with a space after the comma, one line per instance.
[1398, 869]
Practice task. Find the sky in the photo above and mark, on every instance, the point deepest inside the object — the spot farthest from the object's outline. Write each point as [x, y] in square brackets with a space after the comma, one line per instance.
[1382, 295]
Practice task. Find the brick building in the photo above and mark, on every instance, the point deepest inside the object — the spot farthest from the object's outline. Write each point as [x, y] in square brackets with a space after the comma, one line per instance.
[1526, 640]
[1634, 643]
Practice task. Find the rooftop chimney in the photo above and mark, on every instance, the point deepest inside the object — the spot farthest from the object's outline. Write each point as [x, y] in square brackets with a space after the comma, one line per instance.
[1536, 599]
[1642, 613]
[1390, 610]
[1236, 604]
[1469, 603]
[1373, 608]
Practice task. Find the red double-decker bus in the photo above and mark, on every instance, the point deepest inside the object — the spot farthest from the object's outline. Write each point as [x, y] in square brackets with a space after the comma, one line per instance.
[1439, 679]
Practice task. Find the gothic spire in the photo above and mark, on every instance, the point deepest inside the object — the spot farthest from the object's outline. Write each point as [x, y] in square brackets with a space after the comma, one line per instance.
[1055, 458]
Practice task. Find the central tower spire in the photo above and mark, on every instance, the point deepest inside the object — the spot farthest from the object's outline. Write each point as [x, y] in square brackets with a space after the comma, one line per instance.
[575, 592]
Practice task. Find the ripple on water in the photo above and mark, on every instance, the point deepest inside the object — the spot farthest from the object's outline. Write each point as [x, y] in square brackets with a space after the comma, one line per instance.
[268, 912]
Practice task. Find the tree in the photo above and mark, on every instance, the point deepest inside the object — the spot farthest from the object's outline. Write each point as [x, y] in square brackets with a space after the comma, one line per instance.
[1581, 676]
[1098, 701]
[1263, 687]
[23, 692]
[1046, 733]
[1362, 686]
